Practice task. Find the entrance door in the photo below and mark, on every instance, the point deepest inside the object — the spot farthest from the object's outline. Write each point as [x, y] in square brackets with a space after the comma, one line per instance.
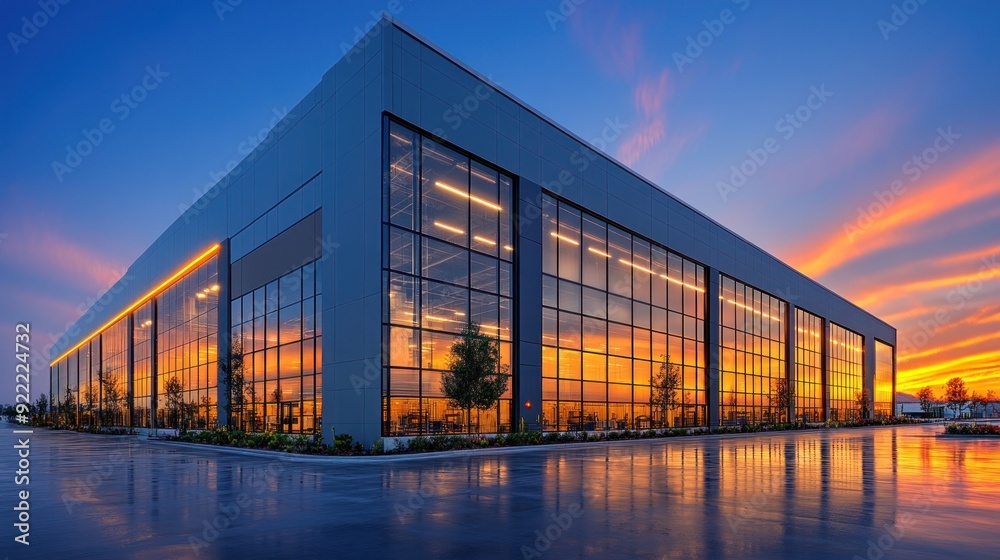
[289, 415]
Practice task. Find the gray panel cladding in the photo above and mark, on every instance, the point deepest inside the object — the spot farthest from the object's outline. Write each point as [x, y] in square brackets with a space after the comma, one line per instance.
[467, 109]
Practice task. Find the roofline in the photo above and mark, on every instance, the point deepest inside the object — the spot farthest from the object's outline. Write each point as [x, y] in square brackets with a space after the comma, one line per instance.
[476, 74]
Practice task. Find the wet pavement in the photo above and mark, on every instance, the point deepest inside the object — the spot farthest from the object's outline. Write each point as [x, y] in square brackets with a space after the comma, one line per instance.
[897, 492]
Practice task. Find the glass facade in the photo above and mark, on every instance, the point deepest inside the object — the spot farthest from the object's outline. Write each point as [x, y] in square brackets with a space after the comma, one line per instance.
[883, 380]
[808, 367]
[142, 353]
[752, 346]
[280, 329]
[112, 379]
[845, 371]
[448, 261]
[187, 336]
[617, 309]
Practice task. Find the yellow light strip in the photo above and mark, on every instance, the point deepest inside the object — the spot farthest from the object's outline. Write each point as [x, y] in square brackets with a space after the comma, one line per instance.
[636, 266]
[471, 197]
[508, 248]
[680, 283]
[484, 240]
[747, 307]
[152, 293]
[564, 238]
[449, 228]
[597, 251]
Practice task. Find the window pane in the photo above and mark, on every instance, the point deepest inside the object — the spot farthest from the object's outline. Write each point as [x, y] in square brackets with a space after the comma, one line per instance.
[445, 190]
[401, 176]
[444, 307]
[484, 210]
[445, 262]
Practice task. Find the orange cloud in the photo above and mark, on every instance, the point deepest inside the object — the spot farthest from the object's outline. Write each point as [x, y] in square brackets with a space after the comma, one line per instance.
[61, 259]
[975, 181]
[978, 370]
[951, 281]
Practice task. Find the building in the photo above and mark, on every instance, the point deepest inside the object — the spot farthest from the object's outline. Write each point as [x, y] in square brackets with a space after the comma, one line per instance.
[406, 195]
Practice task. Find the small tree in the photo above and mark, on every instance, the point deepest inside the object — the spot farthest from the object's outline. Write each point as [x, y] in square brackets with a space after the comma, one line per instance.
[42, 406]
[91, 397]
[250, 398]
[175, 401]
[978, 403]
[69, 402]
[475, 376]
[992, 401]
[666, 384]
[782, 395]
[927, 399]
[863, 403]
[233, 377]
[111, 397]
[956, 395]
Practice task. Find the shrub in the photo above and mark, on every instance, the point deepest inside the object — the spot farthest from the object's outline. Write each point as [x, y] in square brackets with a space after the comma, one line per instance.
[973, 429]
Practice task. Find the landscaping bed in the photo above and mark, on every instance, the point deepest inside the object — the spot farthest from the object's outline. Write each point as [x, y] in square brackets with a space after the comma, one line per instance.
[344, 444]
[972, 430]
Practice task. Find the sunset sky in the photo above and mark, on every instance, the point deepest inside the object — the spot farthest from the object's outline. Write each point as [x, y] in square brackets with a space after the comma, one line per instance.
[886, 189]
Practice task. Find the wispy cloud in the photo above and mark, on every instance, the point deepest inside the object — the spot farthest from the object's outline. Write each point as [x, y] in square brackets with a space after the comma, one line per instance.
[976, 180]
[613, 42]
[650, 98]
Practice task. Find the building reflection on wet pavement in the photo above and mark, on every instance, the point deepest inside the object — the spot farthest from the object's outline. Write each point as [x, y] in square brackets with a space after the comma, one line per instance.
[891, 492]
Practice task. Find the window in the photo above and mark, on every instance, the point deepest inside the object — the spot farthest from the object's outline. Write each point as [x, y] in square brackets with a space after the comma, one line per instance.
[606, 297]
[449, 262]
[808, 367]
[845, 367]
[752, 354]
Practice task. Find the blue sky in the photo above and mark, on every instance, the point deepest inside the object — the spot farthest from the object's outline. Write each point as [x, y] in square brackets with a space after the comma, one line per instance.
[691, 113]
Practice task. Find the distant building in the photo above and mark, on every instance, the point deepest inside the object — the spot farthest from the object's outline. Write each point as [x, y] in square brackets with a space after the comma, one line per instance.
[407, 195]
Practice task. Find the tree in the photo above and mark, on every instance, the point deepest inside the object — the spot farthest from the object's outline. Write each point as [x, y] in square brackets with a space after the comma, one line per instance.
[475, 376]
[175, 400]
[111, 397]
[977, 402]
[864, 404]
[42, 405]
[69, 404]
[665, 387]
[956, 395]
[993, 401]
[250, 398]
[782, 395]
[91, 396]
[233, 377]
[927, 399]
